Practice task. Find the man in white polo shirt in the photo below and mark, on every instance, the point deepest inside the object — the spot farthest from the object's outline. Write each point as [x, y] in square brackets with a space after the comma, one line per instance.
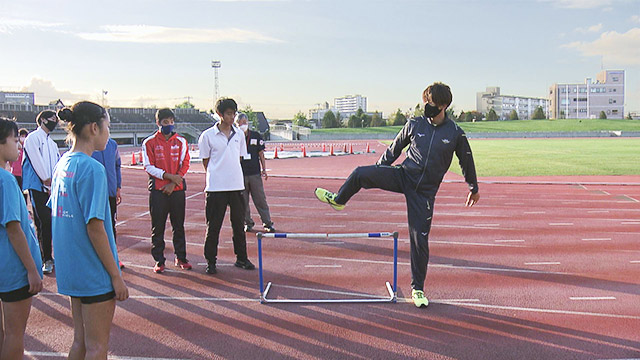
[221, 148]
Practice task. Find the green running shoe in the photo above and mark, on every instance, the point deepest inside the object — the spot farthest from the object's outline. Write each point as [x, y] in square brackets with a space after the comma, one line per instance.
[328, 197]
[418, 298]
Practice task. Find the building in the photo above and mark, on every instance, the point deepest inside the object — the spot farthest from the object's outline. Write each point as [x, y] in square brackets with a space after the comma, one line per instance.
[504, 104]
[17, 98]
[350, 104]
[587, 100]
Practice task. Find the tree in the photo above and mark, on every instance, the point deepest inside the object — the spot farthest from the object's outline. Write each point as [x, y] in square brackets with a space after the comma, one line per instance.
[603, 115]
[185, 105]
[329, 120]
[339, 119]
[300, 119]
[398, 118]
[491, 115]
[472, 116]
[513, 115]
[377, 120]
[418, 111]
[354, 122]
[450, 112]
[251, 116]
[538, 114]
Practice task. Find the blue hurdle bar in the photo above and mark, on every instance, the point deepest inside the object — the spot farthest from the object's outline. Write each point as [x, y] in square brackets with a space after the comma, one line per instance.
[392, 290]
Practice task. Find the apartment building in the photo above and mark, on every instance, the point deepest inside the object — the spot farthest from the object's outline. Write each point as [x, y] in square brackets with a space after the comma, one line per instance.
[504, 104]
[587, 100]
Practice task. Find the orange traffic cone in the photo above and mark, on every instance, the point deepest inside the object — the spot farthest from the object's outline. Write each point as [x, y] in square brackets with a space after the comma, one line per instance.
[324, 148]
[368, 149]
[331, 150]
[345, 149]
[133, 159]
[281, 147]
[275, 154]
[140, 158]
[351, 149]
[304, 151]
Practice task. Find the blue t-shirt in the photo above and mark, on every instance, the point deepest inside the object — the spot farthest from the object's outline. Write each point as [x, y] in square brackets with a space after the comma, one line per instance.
[13, 274]
[79, 194]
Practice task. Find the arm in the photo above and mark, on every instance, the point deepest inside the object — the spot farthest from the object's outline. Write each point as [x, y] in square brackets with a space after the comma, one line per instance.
[465, 158]
[100, 242]
[263, 164]
[19, 243]
[185, 159]
[149, 161]
[399, 143]
[32, 150]
[205, 162]
[118, 176]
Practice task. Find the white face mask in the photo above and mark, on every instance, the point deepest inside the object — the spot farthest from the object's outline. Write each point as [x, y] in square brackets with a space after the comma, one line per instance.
[244, 127]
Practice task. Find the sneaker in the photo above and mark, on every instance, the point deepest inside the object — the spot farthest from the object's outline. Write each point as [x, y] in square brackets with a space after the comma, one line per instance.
[269, 228]
[47, 267]
[245, 264]
[248, 228]
[418, 298]
[211, 269]
[328, 197]
[183, 264]
[121, 265]
[158, 268]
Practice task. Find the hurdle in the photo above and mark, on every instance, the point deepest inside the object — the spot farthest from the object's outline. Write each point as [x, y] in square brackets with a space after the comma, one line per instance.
[393, 293]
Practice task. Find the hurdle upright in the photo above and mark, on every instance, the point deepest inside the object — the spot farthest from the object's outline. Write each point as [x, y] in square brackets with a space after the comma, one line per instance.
[391, 289]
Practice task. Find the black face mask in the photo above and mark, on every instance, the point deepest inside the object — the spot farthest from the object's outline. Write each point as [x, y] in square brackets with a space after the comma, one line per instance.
[431, 111]
[51, 125]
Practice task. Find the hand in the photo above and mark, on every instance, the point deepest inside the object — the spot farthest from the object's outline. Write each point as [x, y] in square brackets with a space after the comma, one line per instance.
[168, 189]
[174, 178]
[47, 182]
[118, 197]
[472, 199]
[122, 293]
[35, 282]
[264, 174]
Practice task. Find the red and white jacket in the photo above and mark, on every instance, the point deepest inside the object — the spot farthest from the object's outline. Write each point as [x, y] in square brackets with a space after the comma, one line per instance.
[161, 155]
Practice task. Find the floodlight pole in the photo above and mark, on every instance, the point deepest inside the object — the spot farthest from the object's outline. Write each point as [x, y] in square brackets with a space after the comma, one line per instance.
[215, 64]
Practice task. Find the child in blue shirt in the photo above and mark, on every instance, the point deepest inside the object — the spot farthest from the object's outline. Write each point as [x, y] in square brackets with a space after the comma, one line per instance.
[86, 255]
[20, 268]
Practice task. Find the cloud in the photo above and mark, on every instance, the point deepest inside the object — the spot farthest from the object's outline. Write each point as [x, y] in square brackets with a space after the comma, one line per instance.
[45, 92]
[7, 26]
[590, 29]
[635, 19]
[173, 35]
[615, 48]
[580, 4]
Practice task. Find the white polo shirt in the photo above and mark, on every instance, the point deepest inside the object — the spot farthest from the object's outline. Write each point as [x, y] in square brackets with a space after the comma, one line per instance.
[224, 172]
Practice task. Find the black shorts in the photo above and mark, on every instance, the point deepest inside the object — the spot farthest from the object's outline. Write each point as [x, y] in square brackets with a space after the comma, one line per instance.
[96, 299]
[16, 295]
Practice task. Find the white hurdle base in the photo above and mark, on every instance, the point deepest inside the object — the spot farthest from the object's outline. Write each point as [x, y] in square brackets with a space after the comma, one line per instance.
[265, 300]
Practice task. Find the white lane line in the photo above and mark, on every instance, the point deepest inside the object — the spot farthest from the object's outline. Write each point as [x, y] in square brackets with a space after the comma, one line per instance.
[551, 311]
[635, 261]
[507, 241]
[587, 298]
[514, 203]
[333, 226]
[330, 242]
[36, 354]
[323, 266]
[560, 224]
[218, 264]
[231, 242]
[484, 225]
[543, 263]
[133, 218]
[597, 239]
[187, 298]
[597, 211]
[630, 223]
[630, 198]
[149, 238]
[473, 244]
[534, 212]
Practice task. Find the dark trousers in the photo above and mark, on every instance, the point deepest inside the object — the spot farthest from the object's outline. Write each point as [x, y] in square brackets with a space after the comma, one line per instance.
[113, 206]
[216, 208]
[161, 205]
[419, 209]
[42, 220]
[19, 180]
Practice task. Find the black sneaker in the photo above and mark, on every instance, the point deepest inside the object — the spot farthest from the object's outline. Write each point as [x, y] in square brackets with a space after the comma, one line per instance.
[245, 264]
[269, 228]
[211, 269]
[248, 228]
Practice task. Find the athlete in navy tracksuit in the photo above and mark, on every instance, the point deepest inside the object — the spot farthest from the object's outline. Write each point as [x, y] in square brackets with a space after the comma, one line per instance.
[432, 140]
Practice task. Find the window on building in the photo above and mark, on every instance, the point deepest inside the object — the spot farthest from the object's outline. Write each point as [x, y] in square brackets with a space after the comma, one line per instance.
[614, 111]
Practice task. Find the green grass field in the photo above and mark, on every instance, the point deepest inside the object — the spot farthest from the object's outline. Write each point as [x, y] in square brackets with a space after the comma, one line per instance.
[563, 125]
[536, 157]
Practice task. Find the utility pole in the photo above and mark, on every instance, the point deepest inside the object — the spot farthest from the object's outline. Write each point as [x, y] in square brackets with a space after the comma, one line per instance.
[104, 93]
[215, 64]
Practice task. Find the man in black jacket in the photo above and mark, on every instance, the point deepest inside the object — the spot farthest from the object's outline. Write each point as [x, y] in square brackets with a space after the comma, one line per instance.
[432, 140]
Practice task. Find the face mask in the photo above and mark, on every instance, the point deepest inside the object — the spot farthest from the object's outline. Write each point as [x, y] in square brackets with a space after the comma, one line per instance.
[431, 111]
[50, 125]
[167, 129]
[244, 127]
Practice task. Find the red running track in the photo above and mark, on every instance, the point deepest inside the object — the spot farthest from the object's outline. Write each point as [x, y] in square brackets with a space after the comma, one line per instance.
[533, 271]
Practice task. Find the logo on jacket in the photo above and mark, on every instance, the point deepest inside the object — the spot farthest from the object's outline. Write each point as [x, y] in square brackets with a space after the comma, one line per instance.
[419, 134]
[446, 141]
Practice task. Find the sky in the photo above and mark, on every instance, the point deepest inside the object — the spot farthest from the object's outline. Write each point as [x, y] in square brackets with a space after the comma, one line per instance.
[283, 56]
